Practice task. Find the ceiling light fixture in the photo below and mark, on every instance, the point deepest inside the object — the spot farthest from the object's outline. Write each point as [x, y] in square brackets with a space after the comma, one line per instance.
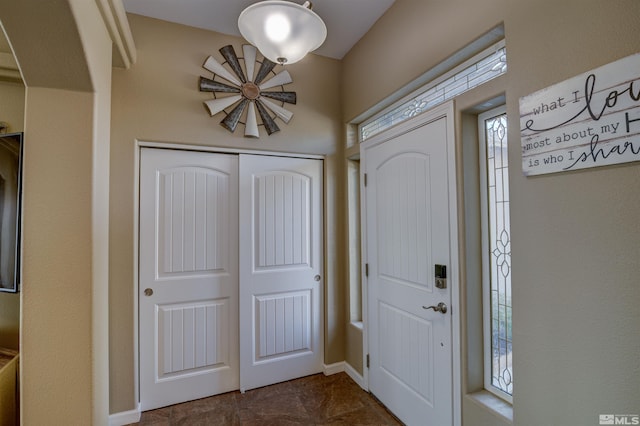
[283, 32]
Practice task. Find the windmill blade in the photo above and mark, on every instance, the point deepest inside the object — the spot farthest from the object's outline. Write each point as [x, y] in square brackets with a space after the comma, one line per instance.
[269, 125]
[251, 126]
[216, 105]
[232, 59]
[208, 85]
[230, 122]
[216, 67]
[249, 53]
[279, 79]
[288, 97]
[282, 113]
[265, 69]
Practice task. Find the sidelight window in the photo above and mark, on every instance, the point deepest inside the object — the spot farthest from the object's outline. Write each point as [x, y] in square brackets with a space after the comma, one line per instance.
[496, 242]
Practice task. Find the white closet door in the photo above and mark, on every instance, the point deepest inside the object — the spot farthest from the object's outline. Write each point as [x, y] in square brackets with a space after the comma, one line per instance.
[281, 267]
[188, 290]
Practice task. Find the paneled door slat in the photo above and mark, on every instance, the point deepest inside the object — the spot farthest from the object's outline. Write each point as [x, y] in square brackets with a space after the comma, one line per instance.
[289, 324]
[280, 326]
[176, 340]
[164, 324]
[267, 206]
[222, 214]
[188, 341]
[297, 228]
[166, 203]
[189, 221]
[278, 202]
[177, 225]
[200, 336]
[200, 222]
[298, 329]
[288, 231]
[212, 326]
[212, 220]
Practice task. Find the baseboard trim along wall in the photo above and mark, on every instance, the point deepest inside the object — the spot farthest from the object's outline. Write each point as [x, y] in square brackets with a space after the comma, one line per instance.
[335, 368]
[355, 376]
[125, 417]
[339, 367]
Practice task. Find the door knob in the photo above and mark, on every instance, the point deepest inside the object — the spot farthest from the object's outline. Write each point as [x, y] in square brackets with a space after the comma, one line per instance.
[317, 278]
[148, 292]
[442, 307]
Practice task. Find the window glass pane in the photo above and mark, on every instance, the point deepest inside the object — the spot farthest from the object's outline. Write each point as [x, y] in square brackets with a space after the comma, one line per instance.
[499, 252]
[484, 68]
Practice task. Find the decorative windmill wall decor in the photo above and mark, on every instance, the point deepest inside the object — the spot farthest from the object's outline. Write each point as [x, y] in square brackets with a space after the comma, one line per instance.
[247, 92]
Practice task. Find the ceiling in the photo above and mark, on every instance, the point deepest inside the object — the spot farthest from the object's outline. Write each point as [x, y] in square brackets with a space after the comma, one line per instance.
[346, 20]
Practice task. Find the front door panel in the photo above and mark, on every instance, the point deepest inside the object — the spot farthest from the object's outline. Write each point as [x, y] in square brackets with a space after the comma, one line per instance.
[407, 234]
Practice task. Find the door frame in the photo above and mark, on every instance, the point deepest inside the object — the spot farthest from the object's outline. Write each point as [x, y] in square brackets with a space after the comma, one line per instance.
[447, 111]
[139, 144]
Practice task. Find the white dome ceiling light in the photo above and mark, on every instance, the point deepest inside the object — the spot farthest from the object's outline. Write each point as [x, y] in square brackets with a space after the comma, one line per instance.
[283, 32]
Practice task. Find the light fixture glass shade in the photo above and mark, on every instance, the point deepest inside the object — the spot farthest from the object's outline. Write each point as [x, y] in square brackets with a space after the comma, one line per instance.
[283, 32]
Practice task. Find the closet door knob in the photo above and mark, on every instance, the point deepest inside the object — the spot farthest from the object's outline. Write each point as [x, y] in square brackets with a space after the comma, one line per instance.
[148, 292]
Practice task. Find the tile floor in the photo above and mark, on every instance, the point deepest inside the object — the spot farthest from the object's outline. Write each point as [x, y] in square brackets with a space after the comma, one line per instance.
[313, 400]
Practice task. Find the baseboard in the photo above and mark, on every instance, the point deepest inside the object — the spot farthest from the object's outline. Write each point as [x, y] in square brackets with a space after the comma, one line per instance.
[125, 417]
[335, 368]
[355, 376]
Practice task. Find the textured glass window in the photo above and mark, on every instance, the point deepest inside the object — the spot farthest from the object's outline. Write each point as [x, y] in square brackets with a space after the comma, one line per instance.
[480, 69]
[497, 256]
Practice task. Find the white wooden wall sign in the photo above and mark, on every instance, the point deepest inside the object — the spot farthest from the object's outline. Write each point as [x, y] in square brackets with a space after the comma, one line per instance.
[590, 120]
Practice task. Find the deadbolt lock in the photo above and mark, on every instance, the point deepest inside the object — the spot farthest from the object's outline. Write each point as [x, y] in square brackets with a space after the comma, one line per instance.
[441, 276]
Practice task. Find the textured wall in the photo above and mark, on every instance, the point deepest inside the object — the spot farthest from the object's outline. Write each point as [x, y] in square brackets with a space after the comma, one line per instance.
[12, 112]
[66, 67]
[575, 236]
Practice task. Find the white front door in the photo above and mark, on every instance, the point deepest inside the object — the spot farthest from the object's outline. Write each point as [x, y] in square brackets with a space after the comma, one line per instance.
[407, 234]
[281, 282]
[188, 288]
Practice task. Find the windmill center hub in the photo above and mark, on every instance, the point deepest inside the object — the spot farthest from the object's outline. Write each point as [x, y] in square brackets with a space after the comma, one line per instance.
[250, 91]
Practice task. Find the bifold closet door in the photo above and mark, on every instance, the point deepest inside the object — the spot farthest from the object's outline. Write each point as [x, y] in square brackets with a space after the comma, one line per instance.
[188, 276]
[281, 267]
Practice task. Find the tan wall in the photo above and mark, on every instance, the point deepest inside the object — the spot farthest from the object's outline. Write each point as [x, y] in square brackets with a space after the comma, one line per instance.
[12, 105]
[158, 100]
[409, 39]
[9, 320]
[12, 112]
[574, 235]
[97, 45]
[56, 309]
[63, 339]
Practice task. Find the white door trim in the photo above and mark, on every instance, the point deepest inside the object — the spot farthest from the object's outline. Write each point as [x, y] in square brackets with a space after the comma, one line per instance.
[138, 145]
[445, 110]
[222, 150]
